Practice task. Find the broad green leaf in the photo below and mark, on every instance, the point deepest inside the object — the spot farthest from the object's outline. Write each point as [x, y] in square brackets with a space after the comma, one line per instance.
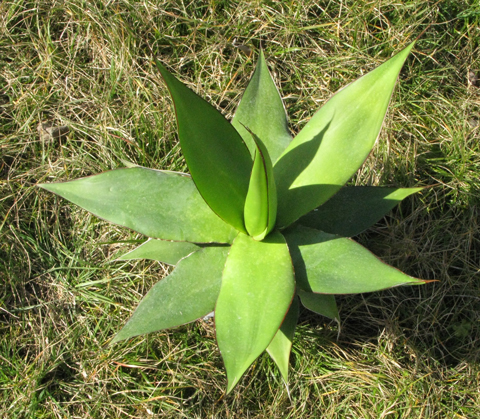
[323, 304]
[261, 109]
[257, 288]
[329, 264]
[354, 209]
[281, 345]
[165, 251]
[155, 203]
[217, 157]
[261, 202]
[335, 142]
[188, 293]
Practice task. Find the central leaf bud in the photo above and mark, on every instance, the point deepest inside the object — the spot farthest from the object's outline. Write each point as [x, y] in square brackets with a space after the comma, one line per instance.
[261, 201]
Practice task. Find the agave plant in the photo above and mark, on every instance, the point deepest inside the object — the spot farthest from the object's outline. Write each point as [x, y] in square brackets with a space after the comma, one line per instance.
[262, 222]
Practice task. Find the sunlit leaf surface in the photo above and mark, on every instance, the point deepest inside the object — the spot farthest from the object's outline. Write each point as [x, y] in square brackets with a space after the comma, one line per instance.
[155, 203]
[261, 109]
[217, 157]
[329, 264]
[335, 142]
[257, 288]
[188, 293]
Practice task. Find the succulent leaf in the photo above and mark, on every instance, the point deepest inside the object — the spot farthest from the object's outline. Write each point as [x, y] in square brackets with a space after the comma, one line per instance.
[257, 288]
[217, 157]
[329, 264]
[335, 142]
[261, 109]
[281, 345]
[156, 203]
[261, 202]
[165, 251]
[353, 209]
[188, 293]
[323, 304]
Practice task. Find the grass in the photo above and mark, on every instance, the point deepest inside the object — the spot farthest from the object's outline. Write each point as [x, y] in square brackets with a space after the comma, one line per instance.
[402, 353]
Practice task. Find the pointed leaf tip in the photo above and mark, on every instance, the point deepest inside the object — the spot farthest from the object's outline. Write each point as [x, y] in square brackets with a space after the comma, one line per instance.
[169, 252]
[188, 293]
[217, 157]
[159, 204]
[329, 264]
[323, 304]
[335, 142]
[243, 330]
[353, 209]
[281, 345]
[261, 109]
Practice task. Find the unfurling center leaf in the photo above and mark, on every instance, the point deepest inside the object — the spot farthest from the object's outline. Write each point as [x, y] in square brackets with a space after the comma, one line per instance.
[261, 202]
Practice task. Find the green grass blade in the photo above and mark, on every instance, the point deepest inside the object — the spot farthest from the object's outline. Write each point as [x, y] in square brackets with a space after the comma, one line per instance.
[188, 293]
[261, 109]
[355, 208]
[257, 288]
[155, 203]
[335, 142]
[329, 264]
[168, 252]
[323, 304]
[261, 202]
[217, 157]
[281, 345]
